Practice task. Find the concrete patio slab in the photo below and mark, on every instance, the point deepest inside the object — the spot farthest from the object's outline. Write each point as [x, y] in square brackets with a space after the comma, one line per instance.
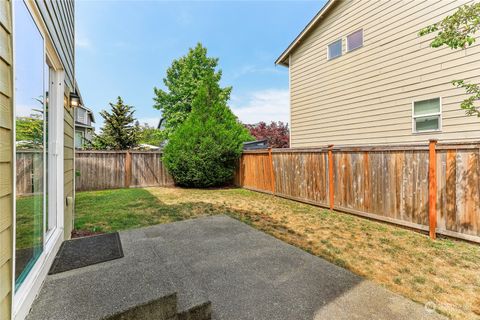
[245, 273]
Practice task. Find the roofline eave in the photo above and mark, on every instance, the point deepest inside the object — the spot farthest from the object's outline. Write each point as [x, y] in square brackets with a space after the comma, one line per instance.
[283, 58]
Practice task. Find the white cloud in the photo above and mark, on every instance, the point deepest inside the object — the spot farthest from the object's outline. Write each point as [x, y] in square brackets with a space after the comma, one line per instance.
[83, 42]
[25, 110]
[264, 105]
[152, 121]
[251, 69]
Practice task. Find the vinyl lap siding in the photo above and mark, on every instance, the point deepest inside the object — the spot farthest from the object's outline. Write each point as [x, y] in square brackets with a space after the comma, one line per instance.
[365, 96]
[68, 167]
[6, 163]
[59, 19]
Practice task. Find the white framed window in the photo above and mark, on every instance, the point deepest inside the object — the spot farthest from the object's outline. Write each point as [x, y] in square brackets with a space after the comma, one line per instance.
[355, 40]
[334, 49]
[81, 115]
[79, 137]
[427, 115]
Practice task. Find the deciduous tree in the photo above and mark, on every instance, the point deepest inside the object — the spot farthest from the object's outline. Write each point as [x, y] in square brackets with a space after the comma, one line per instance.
[183, 80]
[458, 31]
[276, 133]
[150, 135]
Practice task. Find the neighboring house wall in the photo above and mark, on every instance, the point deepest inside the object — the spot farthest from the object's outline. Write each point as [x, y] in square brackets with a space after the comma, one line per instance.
[83, 126]
[83, 116]
[83, 135]
[6, 160]
[365, 96]
[79, 137]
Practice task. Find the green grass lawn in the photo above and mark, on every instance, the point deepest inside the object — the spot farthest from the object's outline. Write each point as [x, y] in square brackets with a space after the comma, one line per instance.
[445, 272]
[29, 224]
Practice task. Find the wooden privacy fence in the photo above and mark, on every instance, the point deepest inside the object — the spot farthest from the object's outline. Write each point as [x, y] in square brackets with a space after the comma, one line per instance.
[432, 187]
[97, 170]
[29, 167]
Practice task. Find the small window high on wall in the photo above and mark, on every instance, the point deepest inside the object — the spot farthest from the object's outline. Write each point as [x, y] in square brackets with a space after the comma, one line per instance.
[335, 49]
[355, 40]
[427, 115]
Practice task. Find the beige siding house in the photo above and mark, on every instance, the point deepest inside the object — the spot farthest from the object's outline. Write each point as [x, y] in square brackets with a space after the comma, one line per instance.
[37, 87]
[360, 74]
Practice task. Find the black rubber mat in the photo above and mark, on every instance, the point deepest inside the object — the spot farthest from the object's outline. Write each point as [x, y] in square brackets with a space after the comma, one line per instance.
[82, 252]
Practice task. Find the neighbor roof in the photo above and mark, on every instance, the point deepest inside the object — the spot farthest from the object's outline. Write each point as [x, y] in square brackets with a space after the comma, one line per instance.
[283, 59]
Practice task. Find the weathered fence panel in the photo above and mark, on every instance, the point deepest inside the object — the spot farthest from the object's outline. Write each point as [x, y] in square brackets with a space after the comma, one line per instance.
[458, 193]
[97, 170]
[256, 171]
[388, 183]
[148, 170]
[26, 173]
[301, 175]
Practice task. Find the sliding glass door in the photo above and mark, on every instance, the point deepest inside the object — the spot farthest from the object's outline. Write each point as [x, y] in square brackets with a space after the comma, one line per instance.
[30, 140]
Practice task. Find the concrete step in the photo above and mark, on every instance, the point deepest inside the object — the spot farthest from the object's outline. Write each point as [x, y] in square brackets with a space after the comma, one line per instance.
[163, 308]
[200, 312]
[193, 301]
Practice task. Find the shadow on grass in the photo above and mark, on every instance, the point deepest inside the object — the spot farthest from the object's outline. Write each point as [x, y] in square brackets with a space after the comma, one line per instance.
[122, 209]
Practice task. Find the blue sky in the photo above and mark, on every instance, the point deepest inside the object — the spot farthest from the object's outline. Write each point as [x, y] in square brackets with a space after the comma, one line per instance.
[124, 48]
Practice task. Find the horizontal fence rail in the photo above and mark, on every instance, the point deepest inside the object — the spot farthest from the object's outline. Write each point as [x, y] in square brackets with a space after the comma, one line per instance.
[432, 187]
[97, 170]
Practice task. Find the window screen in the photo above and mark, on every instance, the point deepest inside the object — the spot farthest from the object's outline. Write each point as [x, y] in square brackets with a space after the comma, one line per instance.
[335, 49]
[355, 40]
[427, 115]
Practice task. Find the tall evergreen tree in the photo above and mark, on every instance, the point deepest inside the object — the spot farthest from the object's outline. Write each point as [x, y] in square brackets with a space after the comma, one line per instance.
[203, 150]
[459, 31]
[119, 131]
[184, 77]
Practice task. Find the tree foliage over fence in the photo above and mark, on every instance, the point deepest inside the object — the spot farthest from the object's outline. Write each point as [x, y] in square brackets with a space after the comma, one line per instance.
[458, 31]
[277, 134]
[149, 135]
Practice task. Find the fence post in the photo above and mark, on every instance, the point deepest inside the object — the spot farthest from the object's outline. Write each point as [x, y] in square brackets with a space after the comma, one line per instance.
[128, 169]
[272, 182]
[240, 171]
[432, 188]
[330, 175]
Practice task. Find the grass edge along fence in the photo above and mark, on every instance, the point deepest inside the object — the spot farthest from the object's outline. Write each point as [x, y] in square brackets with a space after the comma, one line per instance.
[432, 187]
[99, 170]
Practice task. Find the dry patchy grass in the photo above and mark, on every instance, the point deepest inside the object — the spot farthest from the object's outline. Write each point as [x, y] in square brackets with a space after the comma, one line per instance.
[445, 272]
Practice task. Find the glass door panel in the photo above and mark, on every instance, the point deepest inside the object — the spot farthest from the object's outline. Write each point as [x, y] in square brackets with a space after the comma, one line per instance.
[30, 141]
